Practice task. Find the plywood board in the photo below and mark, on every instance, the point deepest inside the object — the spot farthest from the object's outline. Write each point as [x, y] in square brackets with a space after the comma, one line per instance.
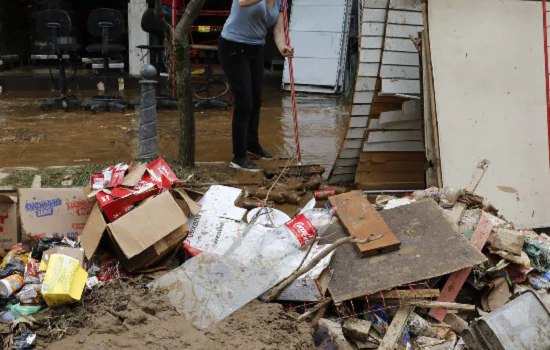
[427, 240]
[462, 40]
[363, 221]
[401, 72]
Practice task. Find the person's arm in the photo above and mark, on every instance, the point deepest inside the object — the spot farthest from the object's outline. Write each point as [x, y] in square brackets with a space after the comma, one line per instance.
[280, 39]
[247, 3]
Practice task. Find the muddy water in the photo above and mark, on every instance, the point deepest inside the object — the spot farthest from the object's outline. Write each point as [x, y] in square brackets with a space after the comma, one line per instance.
[31, 137]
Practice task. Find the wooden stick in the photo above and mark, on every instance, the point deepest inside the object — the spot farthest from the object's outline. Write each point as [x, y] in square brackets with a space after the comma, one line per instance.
[282, 286]
[405, 294]
[396, 328]
[442, 305]
[314, 309]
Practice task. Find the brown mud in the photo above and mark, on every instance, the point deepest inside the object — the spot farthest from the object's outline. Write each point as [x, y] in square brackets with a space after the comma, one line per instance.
[31, 137]
[124, 314]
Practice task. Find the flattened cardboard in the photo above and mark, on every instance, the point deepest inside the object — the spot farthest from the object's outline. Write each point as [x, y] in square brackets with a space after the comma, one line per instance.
[9, 235]
[53, 212]
[146, 225]
[75, 253]
[135, 174]
[430, 247]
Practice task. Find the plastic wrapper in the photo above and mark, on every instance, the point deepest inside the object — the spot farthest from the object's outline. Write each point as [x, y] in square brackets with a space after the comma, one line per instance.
[30, 294]
[110, 268]
[16, 252]
[14, 267]
[379, 319]
[33, 274]
[24, 341]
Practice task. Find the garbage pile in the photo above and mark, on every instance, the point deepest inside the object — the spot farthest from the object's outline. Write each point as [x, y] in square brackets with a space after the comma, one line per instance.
[433, 269]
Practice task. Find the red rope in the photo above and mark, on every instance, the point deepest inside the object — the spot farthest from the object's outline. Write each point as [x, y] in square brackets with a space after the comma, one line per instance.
[292, 89]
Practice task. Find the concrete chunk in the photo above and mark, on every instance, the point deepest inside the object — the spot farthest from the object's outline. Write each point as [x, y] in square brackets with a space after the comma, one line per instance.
[357, 329]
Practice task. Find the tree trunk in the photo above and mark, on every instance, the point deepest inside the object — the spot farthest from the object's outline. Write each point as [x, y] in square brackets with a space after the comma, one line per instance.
[185, 102]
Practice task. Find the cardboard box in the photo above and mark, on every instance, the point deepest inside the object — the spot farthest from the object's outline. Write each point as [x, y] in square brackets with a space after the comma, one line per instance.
[143, 236]
[53, 212]
[75, 253]
[64, 280]
[8, 222]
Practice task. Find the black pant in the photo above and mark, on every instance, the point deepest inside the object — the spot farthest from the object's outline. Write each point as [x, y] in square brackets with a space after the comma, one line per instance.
[244, 67]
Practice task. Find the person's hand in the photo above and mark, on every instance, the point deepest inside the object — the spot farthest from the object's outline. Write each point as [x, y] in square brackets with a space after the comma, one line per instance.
[287, 51]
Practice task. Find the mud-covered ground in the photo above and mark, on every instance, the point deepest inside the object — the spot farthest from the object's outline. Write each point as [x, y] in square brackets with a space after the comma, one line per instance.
[125, 314]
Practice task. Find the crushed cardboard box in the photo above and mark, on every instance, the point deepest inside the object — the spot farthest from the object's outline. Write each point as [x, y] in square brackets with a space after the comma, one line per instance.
[64, 281]
[146, 234]
[53, 212]
[8, 222]
[75, 253]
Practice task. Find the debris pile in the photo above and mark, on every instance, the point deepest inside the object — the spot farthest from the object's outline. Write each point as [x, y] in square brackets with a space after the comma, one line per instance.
[433, 269]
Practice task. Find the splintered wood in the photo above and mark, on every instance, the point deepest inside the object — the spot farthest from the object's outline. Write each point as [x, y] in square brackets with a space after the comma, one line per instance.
[363, 221]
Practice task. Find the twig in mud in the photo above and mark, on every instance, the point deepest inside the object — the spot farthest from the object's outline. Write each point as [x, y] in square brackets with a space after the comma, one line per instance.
[283, 285]
[314, 309]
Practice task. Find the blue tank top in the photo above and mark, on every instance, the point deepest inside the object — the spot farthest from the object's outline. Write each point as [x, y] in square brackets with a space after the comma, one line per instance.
[249, 25]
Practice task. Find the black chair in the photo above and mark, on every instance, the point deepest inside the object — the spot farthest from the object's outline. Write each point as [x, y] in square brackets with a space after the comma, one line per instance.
[107, 24]
[210, 93]
[150, 24]
[58, 25]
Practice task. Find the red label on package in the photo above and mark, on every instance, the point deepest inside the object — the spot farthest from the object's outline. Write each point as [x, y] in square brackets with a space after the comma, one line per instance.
[303, 229]
[324, 194]
[117, 178]
[98, 179]
[160, 168]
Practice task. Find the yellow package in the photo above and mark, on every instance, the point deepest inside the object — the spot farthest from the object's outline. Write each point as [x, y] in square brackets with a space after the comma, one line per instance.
[64, 280]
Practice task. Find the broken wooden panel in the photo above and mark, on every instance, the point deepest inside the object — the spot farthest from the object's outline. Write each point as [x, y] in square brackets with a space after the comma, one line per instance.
[427, 241]
[395, 135]
[374, 124]
[408, 5]
[363, 221]
[403, 72]
[508, 240]
[399, 146]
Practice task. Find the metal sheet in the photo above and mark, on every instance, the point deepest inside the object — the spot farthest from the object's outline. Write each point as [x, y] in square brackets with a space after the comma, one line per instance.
[430, 247]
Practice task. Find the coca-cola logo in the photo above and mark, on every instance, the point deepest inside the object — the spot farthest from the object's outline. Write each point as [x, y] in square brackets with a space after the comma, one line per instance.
[303, 229]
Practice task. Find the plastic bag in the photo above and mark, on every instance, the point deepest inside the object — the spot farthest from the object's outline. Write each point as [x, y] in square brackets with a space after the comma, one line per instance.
[16, 252]
[19, 310]
[47, 243]
[25, 341]
[14, 267]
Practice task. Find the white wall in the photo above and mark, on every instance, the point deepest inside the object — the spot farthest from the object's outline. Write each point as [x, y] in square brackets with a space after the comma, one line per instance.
[136, 36]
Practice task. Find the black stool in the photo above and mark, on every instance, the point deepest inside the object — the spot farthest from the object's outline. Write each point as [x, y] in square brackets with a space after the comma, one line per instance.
[58, 25]
[107, 24]
[210, 93]
[150, 24]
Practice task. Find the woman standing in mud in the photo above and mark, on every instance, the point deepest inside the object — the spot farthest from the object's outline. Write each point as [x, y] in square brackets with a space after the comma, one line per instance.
[241, 56]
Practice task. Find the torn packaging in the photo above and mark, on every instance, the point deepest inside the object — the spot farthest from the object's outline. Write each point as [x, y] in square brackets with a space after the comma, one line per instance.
[143, 236]
[53, 212]
[8, 222]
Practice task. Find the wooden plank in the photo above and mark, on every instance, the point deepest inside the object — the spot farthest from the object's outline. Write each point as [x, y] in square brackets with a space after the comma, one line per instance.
[358, 110]
[395, 135]
[350, 153]
[365, 84]
[400, 59]
[508, 240]
[409, 5]
[392, 157]
[353, 143]
[405, 294]
[372, 42]
[374, 15]
[356, 133]
[403, 146]
[344, 170]
[377, 4]
[414, 166]
[370, 56]
[374, 176]
[424, 231]
[458, 209]
[373, 29]
[406, 125]
[358, 122]
[456, 280]
[443, 305]
[429, 141]
[398, 117]
[379, 186]
[399, 86]
[346, 162]
[363, 221]
[402, 72]
[368, 69]
[430, 87]
[405, 17]
[363, 97]
[399, 45]
[396, 328]
[402, 31]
